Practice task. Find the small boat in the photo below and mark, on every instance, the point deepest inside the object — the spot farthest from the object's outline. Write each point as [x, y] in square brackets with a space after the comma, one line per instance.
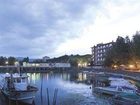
[113, 90]
[17, 88]
[126, 99]
[117, 86]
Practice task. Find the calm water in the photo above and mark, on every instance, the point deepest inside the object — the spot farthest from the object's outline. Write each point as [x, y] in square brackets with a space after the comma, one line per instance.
[72, 89]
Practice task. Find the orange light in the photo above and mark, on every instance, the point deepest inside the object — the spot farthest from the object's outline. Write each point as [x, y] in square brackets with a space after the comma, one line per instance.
[115, 66]
[131, 66]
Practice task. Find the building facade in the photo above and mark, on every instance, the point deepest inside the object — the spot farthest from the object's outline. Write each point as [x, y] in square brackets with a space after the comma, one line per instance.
[99, 52]
[49, 65]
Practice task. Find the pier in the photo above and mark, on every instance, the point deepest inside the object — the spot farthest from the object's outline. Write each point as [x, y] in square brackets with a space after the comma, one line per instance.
[31, 68]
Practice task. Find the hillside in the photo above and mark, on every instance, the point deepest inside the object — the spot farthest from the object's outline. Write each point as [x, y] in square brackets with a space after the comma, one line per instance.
[74, 60]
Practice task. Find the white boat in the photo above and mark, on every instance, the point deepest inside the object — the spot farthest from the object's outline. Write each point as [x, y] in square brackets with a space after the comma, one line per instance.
[17, 88]
[126, 99]
[117, 86]
[113, 90]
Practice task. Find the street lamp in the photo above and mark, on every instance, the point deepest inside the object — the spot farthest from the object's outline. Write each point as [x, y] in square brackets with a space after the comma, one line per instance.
[6, 65]
[6, 62]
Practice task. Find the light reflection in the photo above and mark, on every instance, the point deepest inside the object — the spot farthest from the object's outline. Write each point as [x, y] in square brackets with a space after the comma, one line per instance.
[65, 76]
[33, 77]
[82, 77]
[46, 76]
[69, 89]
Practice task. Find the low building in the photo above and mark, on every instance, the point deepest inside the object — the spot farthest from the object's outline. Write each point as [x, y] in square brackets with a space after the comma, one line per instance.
[99, 52]
[49, 65]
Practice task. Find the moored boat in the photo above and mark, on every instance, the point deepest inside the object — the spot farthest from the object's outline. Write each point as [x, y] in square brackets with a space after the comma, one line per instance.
[113, 90]
[17, 88]
[117, 86]
[126, 99]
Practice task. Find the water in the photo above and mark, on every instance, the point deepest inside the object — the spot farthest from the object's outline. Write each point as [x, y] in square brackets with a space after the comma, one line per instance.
[72, 89]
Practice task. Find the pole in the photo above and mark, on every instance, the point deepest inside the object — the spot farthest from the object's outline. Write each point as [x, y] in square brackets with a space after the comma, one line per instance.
[41, 90]
[55, 96]
[48, 99]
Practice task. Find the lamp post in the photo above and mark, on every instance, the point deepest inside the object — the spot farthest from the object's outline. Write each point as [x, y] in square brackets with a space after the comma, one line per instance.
[7, 65]
[6, 62]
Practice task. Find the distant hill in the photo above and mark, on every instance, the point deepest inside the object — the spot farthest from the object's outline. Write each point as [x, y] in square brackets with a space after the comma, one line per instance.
[73, 59]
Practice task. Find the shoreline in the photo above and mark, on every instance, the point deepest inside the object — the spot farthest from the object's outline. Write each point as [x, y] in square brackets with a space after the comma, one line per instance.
[76, 70]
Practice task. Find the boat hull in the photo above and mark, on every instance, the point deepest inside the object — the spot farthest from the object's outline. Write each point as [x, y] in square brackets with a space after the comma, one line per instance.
[127, 99]
[109, 91]
[21, 96]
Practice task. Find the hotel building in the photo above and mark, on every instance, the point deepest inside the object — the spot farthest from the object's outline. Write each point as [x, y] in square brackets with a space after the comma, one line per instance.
[99, 52]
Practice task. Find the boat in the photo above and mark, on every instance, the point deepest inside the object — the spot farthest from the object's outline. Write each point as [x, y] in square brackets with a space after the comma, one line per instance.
[117, 86]
[126, 99]
[113, 90]
[17, 88]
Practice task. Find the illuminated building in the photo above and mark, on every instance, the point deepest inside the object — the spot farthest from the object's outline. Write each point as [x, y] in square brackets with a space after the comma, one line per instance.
[99, 52]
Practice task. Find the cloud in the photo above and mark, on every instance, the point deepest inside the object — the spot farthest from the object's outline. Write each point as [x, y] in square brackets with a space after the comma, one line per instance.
[113, 18]
[37, 27]
[53, 27]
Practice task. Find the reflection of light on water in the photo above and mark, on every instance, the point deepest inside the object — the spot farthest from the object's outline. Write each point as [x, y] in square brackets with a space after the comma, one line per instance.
[72, 87]
[78, 94]
[33, 77]
[69, 93]
[46, 76]
[82, 77]
[65, 76]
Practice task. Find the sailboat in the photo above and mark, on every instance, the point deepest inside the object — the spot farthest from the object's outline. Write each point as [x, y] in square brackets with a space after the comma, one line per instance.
[17, 88]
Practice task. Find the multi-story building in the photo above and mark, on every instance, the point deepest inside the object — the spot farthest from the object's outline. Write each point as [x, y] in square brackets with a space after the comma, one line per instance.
[99, 52]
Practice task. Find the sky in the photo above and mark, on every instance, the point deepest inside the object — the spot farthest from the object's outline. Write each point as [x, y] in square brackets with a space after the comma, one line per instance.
[38, 28]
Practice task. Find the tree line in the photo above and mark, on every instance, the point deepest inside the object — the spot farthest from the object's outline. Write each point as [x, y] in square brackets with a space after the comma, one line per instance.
[124, 51]
[11, 60]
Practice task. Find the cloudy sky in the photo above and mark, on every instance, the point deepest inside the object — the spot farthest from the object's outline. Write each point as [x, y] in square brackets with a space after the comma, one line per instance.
[36, 28]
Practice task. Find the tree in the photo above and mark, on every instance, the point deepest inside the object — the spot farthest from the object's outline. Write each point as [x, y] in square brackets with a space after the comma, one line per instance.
[119, 53]
[2, 60]
[136, 44]
[109, 58]
[74, 62]
[11, 61]
[135, 49]
[26, 59]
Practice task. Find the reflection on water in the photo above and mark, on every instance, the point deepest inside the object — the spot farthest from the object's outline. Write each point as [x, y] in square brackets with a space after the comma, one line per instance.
[72, 89]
